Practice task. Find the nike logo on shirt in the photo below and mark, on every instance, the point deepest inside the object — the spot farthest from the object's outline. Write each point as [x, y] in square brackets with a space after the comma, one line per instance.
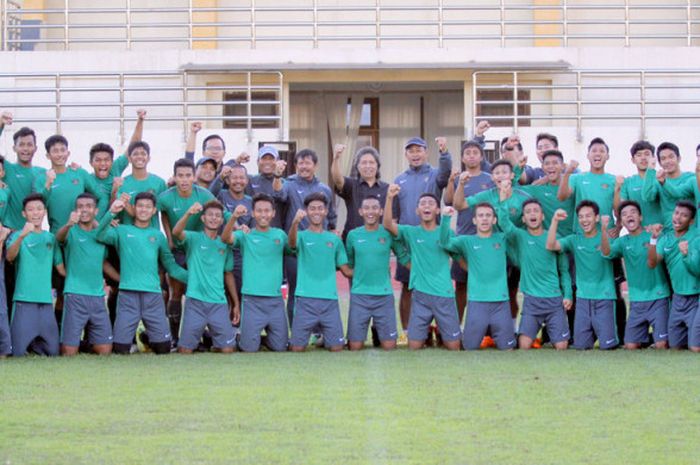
[130, 235]
[360, 241]
[420, 241]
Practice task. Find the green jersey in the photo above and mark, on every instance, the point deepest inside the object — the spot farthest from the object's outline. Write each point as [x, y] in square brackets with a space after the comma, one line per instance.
[651, 209]
[546, 194]
[105, 185]
[4, 202]
[20, 181]
[430, 263]
[514, 203]
[140, 250]
[368, 254]
[263, 255]
[174, 206]
[207, 261]
[594, 272]
[38, 254]
[682, 281]
[543, 273]
[486, 258]
[132, 186]
[319, 254]
[644, 283]
[84, 259]
[60, 197]
[599, 188]
[672, 191]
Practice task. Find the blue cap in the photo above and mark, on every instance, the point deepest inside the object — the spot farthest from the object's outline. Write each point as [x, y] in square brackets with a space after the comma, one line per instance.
[204, 160]
[415, 141]
[268, 150]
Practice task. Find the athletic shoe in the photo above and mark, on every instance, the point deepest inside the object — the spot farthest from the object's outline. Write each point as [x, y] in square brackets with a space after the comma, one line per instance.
[402, 340]
[487, 342]
[537, 344]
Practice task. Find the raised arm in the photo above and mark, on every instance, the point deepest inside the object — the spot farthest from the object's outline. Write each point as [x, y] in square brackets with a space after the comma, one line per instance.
[137, 135]
[62, 234]
[5, 120]
[336, 174]
[617, 196]
[388, 221]
[277, 185]
[103, 233]
[191, 145]
[227, 234]
[13, 249]
[178, 231]
[449, 194]
[444, 163]
[565, 191]
[565, 280]
[652, 255]
[604, 238]
[447, 239]
[460, 202]
[552, 241]
[294, 228]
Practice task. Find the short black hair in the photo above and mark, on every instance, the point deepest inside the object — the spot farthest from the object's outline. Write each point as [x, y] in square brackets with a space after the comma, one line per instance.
[641, 145]
[553, 153]
[53, 140]
[86, 195]
[35, 197]
[697, 148]
[306, 153]
[2, 161]
[588, 203]
[688, 206]
[501, 161]
[146, 196]
[316, 196]
[550, 137]
[263, 197]
[23, 132]
[667, 146]
[598, 141]
[183, 163]
[211, 137]
[136, 145]
[238, 166]
[529, 202]
[431, 195]
[628, 203]
[485, 205]
[371, 197]
[215, 204]
[470, 144]
[101, 147]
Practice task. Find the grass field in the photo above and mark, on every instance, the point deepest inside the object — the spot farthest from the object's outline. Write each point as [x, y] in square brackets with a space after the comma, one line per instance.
[537, 407]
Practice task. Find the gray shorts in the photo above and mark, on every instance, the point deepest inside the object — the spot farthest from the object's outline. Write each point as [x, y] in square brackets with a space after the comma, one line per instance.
[694, 332]
[5, 339]
[34, 325]
[364, 308]
[482, 316]
[199, 315]
[681, 319]
[311, 313]
[260, 313]
[425, 307]
[547, 311]
[402, 274]
[595, 319]
[134, 306]
[78, 311]
[642, 315]
[457, 273]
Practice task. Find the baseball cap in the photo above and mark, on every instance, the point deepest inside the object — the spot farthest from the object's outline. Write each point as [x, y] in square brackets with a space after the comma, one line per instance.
[268, 150]
[203, 160]
[415, 141]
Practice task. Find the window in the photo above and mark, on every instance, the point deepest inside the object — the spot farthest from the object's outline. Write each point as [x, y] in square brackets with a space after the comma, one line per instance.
[264, 103]
[484, 111]
[369, 123]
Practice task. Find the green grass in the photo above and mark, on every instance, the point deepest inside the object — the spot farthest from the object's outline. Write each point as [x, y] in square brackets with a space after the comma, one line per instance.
[371, 407]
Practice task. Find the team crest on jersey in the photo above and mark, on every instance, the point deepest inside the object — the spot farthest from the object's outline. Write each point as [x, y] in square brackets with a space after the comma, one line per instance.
[49, 246]
[604, 186]
[221, 251]
[329, 244]
[382, 240]
[497, 245]
[513, 211]
[152, 239]
[277, 242]
[75, 181]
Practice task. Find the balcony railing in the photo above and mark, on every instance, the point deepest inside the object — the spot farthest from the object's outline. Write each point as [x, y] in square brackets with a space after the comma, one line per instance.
[588, 97]
[123, 24]
[170, 97]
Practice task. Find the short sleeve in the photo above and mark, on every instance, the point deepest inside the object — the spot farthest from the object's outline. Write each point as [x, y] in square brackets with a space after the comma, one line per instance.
[228, 265]
[567, 243]
[57, 255]
[341, 258]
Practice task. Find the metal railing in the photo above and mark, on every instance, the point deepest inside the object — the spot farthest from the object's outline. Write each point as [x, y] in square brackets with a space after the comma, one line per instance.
[577, 97]
[180, 97]
[439, 23]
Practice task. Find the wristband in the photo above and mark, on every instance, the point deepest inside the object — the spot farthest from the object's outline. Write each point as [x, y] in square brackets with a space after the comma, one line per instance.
[653, 241]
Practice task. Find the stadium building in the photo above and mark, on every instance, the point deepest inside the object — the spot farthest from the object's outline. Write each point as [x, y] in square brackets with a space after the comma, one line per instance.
[311, 73]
